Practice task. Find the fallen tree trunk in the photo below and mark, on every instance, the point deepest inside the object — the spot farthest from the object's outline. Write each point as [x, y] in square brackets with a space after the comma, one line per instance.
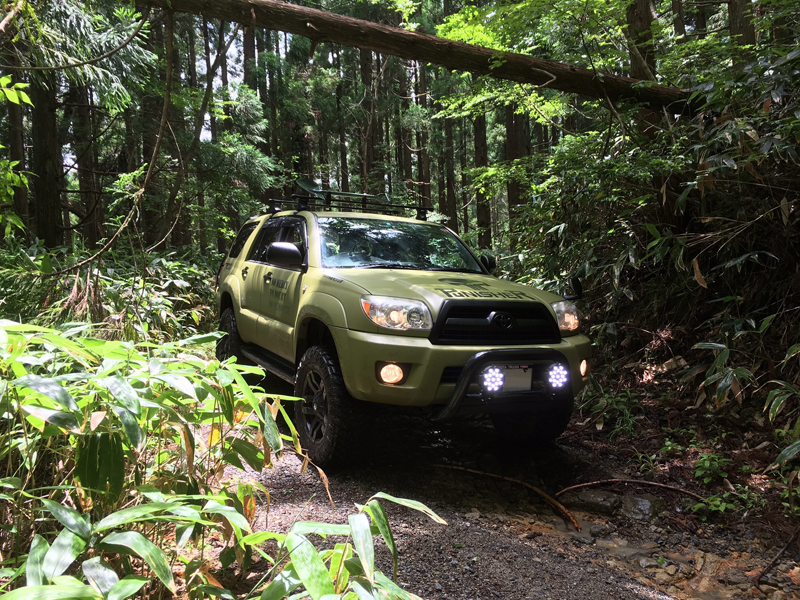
[321, 26]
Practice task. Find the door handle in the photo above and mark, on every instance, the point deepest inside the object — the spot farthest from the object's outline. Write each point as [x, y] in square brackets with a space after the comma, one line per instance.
[268, 278]
[244, 272]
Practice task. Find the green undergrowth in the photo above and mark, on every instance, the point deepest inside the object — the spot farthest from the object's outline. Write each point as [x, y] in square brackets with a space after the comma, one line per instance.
[126, 294]
[112, 477]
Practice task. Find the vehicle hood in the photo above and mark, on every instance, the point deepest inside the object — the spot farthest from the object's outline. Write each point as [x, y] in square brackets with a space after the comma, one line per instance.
[435, 287]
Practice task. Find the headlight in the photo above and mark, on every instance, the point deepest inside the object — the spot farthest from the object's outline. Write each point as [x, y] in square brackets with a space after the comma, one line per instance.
[397, 313]
[567, 315]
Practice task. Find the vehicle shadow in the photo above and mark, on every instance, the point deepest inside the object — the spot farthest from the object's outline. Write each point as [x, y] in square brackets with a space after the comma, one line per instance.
[403, 452]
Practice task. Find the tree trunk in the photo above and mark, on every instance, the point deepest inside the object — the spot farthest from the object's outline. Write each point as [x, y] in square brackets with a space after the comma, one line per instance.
[678, 22]
[367, 128]
[249, 52]
[450, 175]
[441, 187]
[322, 26]
[223, 76]
[344, 172]
[261, 82]
[16, 153]
[324, 164]
[743, 32]
[212, 120]
[702, 24]
[173, 207]
[513, 152]
[405, 130]
[85, 157]
[47, 161]
[273, 103]
[423, 158]
[483, 210]
[641, 14]
[462, 156]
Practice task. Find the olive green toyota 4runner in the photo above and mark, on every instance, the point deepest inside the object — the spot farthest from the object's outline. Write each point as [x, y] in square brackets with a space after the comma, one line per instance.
[358, 306]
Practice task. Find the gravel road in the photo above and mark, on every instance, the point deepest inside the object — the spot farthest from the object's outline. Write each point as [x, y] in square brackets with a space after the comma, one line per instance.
[501, 540]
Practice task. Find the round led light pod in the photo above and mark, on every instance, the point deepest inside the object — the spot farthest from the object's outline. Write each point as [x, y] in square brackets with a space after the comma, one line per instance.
[492, 379]
[558, 376]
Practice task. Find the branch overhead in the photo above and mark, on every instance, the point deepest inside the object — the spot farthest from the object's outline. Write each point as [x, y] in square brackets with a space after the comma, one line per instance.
[321, 26]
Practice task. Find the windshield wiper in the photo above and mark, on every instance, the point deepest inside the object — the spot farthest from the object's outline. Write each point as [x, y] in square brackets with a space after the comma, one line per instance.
[451, 269]
[388, 265]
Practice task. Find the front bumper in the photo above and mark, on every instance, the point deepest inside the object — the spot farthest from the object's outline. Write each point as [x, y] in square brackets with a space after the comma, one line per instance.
[469, 398]
[440, 373]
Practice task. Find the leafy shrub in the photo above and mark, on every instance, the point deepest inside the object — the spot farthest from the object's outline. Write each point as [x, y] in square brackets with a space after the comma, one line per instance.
[113, 451]
[710, 466]
[134, 297]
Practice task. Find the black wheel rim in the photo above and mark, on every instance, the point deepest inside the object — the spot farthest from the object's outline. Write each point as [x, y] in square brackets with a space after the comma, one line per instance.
[315, 407]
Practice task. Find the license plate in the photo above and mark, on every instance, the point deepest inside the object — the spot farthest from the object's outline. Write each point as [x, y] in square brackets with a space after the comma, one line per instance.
[517, 378]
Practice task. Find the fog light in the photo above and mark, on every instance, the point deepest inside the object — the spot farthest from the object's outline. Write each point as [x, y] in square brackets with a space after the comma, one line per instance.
[391, 373]
[558, 376]
[584, 368]
[493, 379]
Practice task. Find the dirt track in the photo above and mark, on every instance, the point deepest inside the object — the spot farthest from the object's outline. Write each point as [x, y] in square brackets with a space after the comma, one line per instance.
[502, 539]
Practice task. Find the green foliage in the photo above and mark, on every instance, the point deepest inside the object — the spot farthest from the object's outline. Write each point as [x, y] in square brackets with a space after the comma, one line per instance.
[149, 429]
[68, 34]
[620, 411]
[716, 503]
[723, 378]
[710, 467]
[128, 296]
[14, 92]
[744, 499]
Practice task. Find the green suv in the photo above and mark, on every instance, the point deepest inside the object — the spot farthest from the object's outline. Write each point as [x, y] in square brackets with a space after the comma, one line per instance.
[356, 307]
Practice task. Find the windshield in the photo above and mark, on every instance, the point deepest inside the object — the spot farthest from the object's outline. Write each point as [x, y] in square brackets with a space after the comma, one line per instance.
[376, 243]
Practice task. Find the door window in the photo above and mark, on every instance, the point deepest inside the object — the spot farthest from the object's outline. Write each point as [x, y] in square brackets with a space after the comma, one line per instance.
[268, 234]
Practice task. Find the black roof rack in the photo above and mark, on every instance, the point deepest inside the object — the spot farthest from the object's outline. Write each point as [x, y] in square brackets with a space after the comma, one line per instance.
[317, 198]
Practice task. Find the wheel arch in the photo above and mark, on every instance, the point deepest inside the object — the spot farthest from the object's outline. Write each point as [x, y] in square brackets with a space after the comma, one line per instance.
[313, 332]
[226, 301]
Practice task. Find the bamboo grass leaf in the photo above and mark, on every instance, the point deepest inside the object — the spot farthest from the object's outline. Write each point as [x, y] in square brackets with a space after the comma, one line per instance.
[139, 545]
[69, 518]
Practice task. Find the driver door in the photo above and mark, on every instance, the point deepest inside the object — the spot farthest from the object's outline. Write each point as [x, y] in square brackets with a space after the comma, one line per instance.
[284, 291]
[255, 286]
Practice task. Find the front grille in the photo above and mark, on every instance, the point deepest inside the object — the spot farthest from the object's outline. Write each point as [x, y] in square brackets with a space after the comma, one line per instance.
[487, 323]
[450, 374]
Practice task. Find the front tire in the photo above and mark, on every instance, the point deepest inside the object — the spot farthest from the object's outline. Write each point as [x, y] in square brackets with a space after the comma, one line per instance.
[231, 344]
[324, 416]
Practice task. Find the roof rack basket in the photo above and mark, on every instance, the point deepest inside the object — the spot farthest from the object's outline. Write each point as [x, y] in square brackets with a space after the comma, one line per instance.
[317, 198]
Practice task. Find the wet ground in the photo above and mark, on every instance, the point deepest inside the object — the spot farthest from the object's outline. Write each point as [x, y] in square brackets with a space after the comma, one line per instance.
[504, 541]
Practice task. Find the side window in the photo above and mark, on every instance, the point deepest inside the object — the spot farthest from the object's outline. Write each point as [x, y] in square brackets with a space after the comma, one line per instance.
[294, 233]
[241, 239]
[268, 234]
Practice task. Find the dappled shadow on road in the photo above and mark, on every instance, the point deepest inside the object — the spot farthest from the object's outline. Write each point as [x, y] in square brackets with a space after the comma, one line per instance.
[401, 451]
[503, 540]
[500, 541]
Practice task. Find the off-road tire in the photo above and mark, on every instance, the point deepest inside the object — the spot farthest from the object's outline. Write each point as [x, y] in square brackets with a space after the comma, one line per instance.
[325, 418]
[231, 344]
[536, 429]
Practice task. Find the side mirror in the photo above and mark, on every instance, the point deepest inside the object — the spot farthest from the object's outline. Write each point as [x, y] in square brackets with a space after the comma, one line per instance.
[488, 261]
[285, 255]
[577, 288]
